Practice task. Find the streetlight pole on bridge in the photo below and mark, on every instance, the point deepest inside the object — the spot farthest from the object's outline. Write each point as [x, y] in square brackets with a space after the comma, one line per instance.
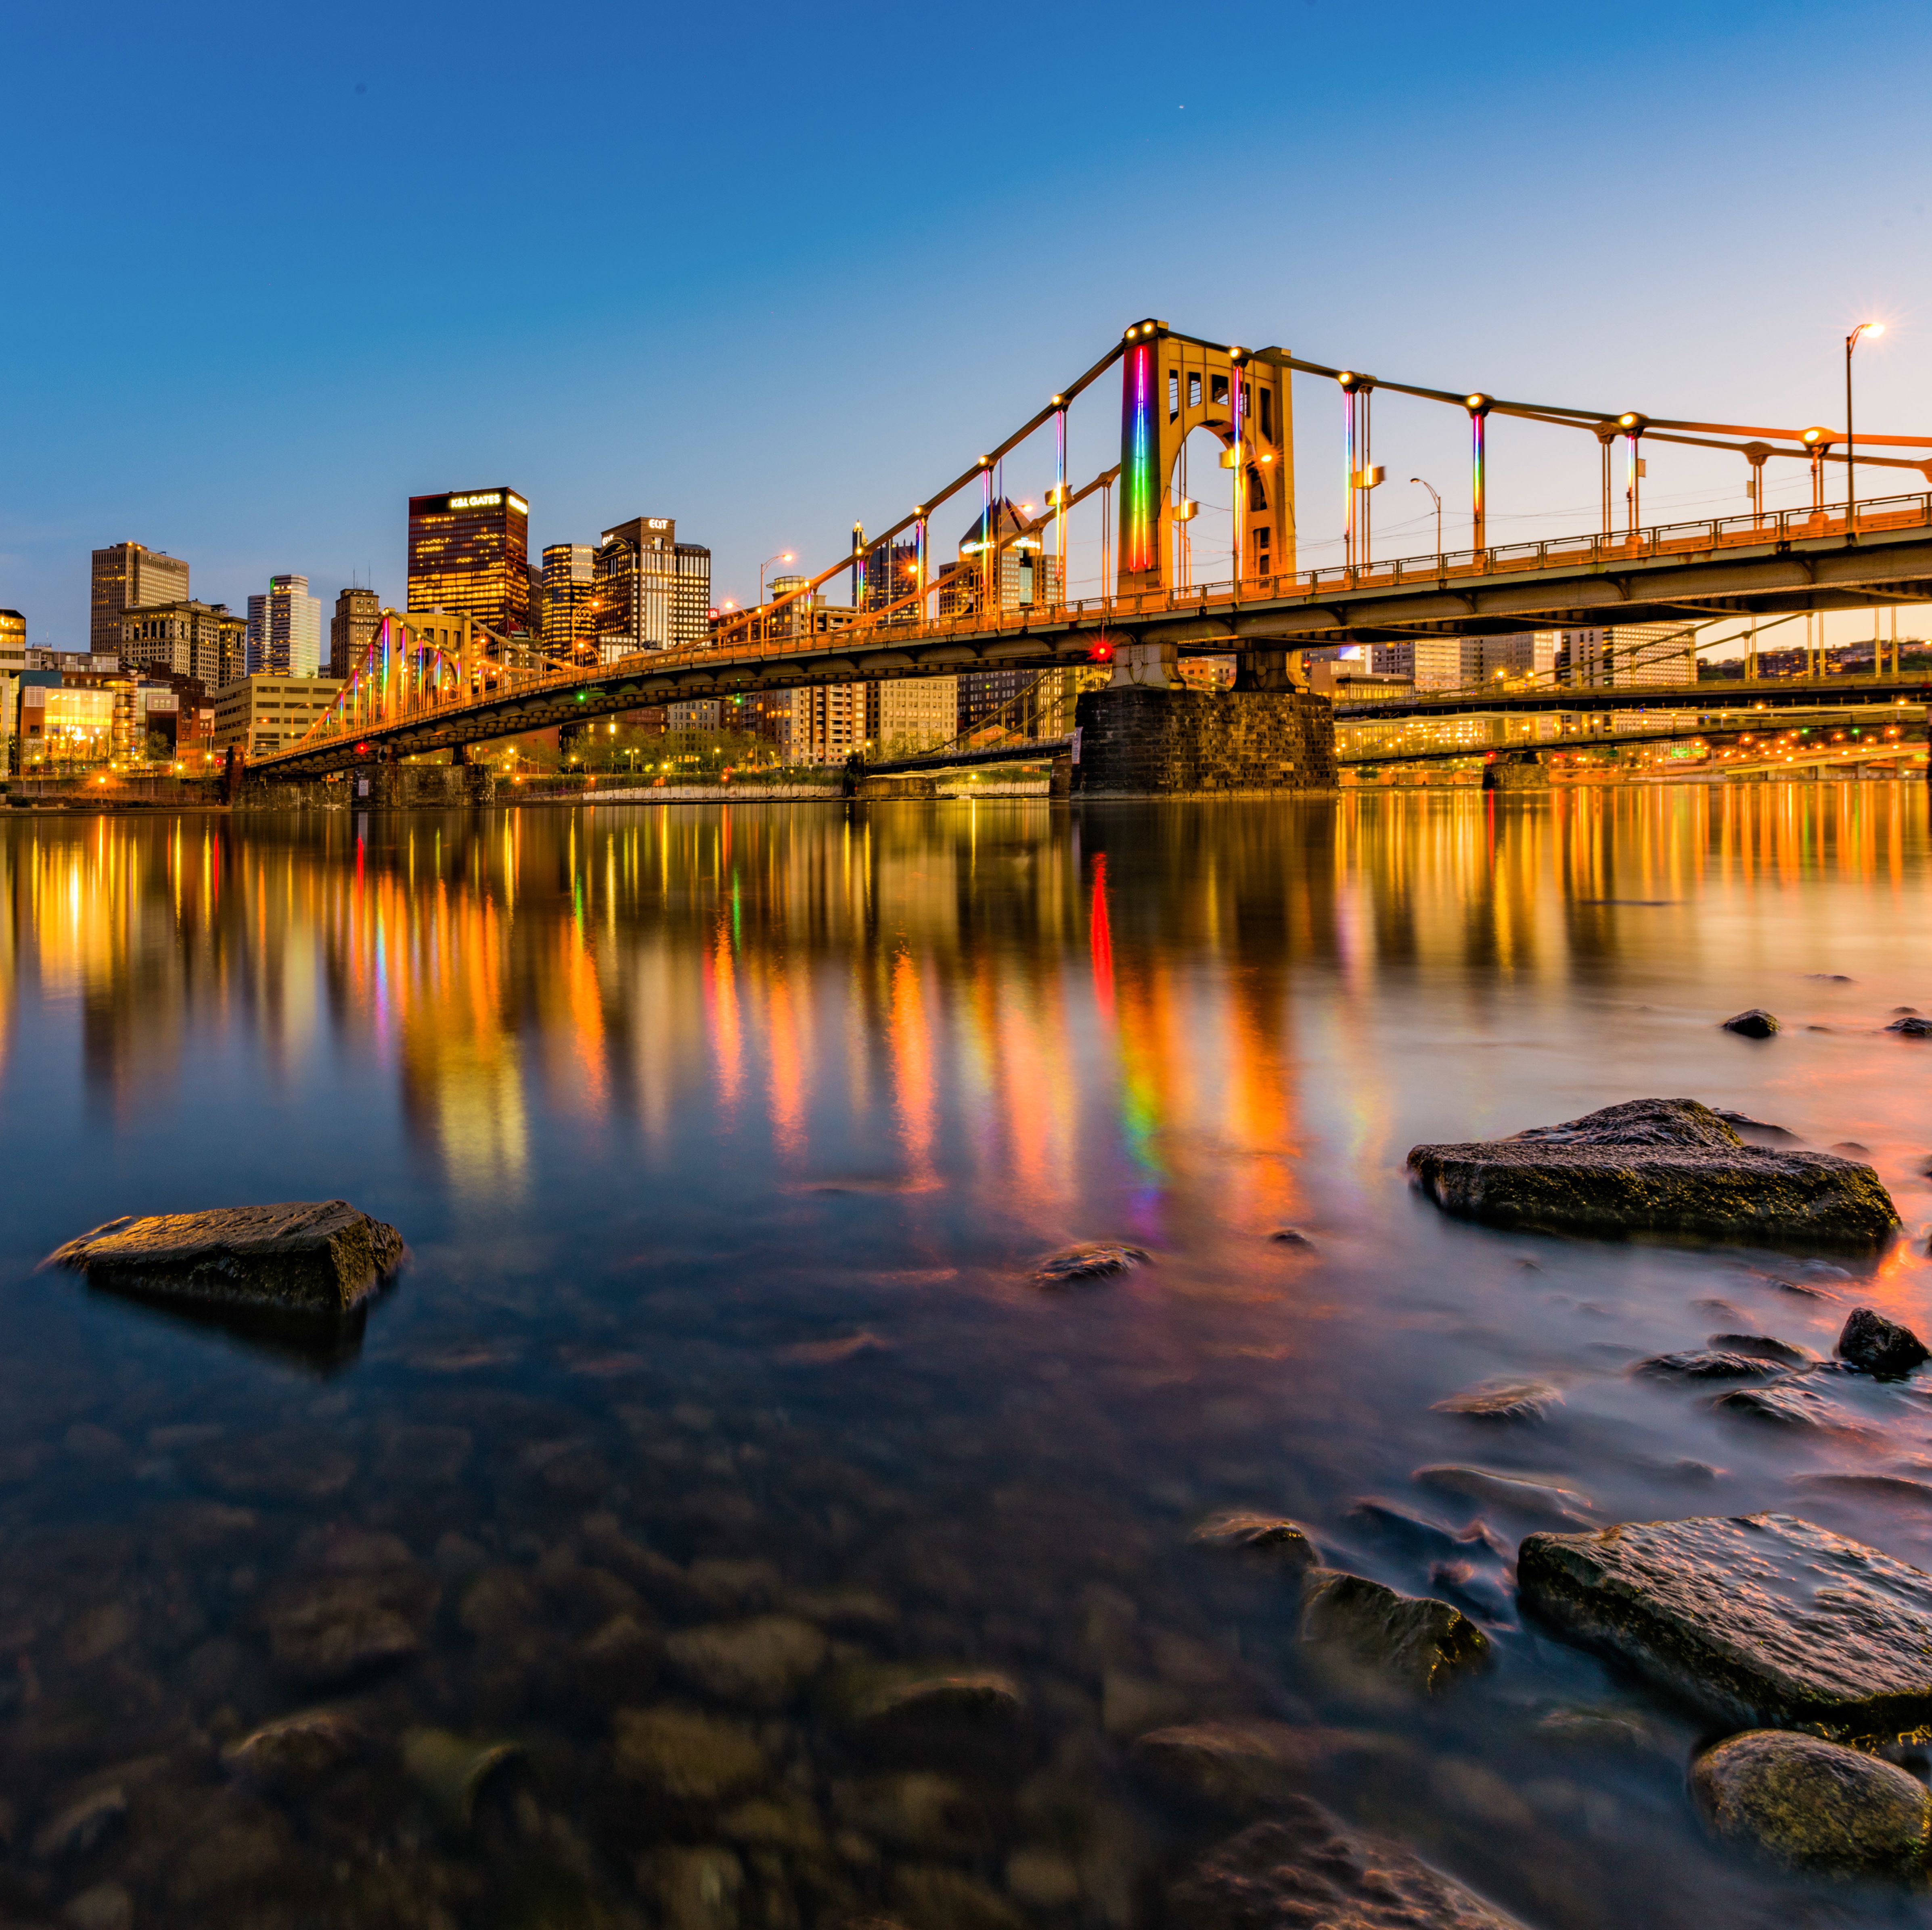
[1874, 329]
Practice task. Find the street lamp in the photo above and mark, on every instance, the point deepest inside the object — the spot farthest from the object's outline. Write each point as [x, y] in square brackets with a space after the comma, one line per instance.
[1437, 501]
[1874, 329]
[783, 556]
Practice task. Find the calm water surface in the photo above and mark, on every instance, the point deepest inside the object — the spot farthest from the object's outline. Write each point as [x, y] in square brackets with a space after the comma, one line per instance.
[724, 1143]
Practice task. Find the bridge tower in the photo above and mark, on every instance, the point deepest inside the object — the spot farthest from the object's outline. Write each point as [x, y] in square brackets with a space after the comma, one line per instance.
[1171, 385]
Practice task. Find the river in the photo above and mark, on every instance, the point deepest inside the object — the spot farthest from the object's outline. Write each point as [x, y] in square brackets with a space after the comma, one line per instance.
[724, 1142]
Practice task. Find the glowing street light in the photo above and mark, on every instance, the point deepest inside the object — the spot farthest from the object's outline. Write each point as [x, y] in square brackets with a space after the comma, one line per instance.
[783, 556]
[1874, 329]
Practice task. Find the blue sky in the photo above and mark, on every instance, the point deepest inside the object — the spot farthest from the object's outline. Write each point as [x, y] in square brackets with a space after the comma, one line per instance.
[270, 271]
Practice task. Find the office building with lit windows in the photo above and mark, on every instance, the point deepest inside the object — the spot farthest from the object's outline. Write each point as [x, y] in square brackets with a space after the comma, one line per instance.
[469, 555]
[127, 575]
[652, 592]
[569, 590]
[358, 611]
[285, 630]
[201, 640]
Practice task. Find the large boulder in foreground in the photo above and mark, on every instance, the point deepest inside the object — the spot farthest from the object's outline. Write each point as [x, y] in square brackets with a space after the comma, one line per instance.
[1766, 1620]
[313, 1257]
[1305, 1867]
[1815, 1805]
[1668, 1166]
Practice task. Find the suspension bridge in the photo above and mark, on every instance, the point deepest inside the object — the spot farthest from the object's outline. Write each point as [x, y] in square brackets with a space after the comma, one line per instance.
[912, 614]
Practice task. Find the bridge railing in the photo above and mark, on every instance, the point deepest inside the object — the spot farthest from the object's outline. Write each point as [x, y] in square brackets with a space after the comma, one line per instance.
[1702, 537]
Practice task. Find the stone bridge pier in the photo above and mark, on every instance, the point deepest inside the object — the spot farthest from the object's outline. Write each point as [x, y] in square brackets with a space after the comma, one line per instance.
[1147, 735]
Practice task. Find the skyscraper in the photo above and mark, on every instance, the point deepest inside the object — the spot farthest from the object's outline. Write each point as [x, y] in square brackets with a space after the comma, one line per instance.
[469, 555]
[652, 592]
[127, 575]
[569, 577]
[357, 613]
[285, 630]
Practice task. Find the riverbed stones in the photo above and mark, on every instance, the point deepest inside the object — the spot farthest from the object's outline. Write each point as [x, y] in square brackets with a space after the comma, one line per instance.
[1661, 1166]
[1270, 1538]
[1304, 1869]
[1875, 1345]
[296, 1752]
[313, 1257]
[1814, 1804]
[758, 1664]
[1413, 1639]
[685, 1756]
[1755, 1024]
[1763, 1620]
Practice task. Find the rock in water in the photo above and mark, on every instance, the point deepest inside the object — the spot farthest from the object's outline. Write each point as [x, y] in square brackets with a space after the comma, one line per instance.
[1786, 1406]
[1700, 1366]
[1504, 1400]
[1248, 1767]
[312, 1256]
[1765, 1620]
[1756, 1023]
[1658, 1166]
[1269, 1537]
[1809, 1802]
[1413, 1638]
[1875, 1345]
[1092, 1260]
[1763, 1346]
[1913, 1025]
[1304, 1867]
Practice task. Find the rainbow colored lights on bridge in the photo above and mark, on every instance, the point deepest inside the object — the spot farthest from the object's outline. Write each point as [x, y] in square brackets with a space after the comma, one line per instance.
[1137, 459]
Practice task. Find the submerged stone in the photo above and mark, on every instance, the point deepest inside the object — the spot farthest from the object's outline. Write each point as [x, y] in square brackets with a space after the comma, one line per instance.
[1707, 1366]
[1763, 1346]
[1668, 1166]
[687, 1757]
[1303, 1869]
[1814, 1804]
[1763, 1620]
[452, 1770]
[760, 1664]
[296, 1752]
[1414, 1638]
[1247, 1767]
[1091, 1259]
[1534, 1501]
[1875, 1345]
[1504, 1400]
[1272, 1538]
[1755, 1024]
[317, 1256]
[1786, 1406]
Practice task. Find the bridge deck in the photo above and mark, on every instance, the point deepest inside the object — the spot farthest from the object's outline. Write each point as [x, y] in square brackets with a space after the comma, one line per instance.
[1787, 561]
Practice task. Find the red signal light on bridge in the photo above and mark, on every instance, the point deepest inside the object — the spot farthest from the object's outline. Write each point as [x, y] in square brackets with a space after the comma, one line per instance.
[361, 750]
[1101, 650]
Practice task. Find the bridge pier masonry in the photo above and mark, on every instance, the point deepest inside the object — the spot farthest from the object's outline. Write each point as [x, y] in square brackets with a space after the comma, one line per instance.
[1148, 735]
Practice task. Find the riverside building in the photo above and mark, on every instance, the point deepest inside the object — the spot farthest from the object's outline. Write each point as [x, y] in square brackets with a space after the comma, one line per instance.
[358, 612]
[262, 713]
[285, 630]
[651, 592]
[469, 554]
[127, 575]
[201, 640]
[569, 593]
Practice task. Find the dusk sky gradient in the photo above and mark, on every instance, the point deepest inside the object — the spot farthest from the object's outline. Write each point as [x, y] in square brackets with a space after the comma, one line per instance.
[268, 271]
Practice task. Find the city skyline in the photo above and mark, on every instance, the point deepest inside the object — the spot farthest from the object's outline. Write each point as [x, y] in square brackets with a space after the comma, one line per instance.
[597, 398]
